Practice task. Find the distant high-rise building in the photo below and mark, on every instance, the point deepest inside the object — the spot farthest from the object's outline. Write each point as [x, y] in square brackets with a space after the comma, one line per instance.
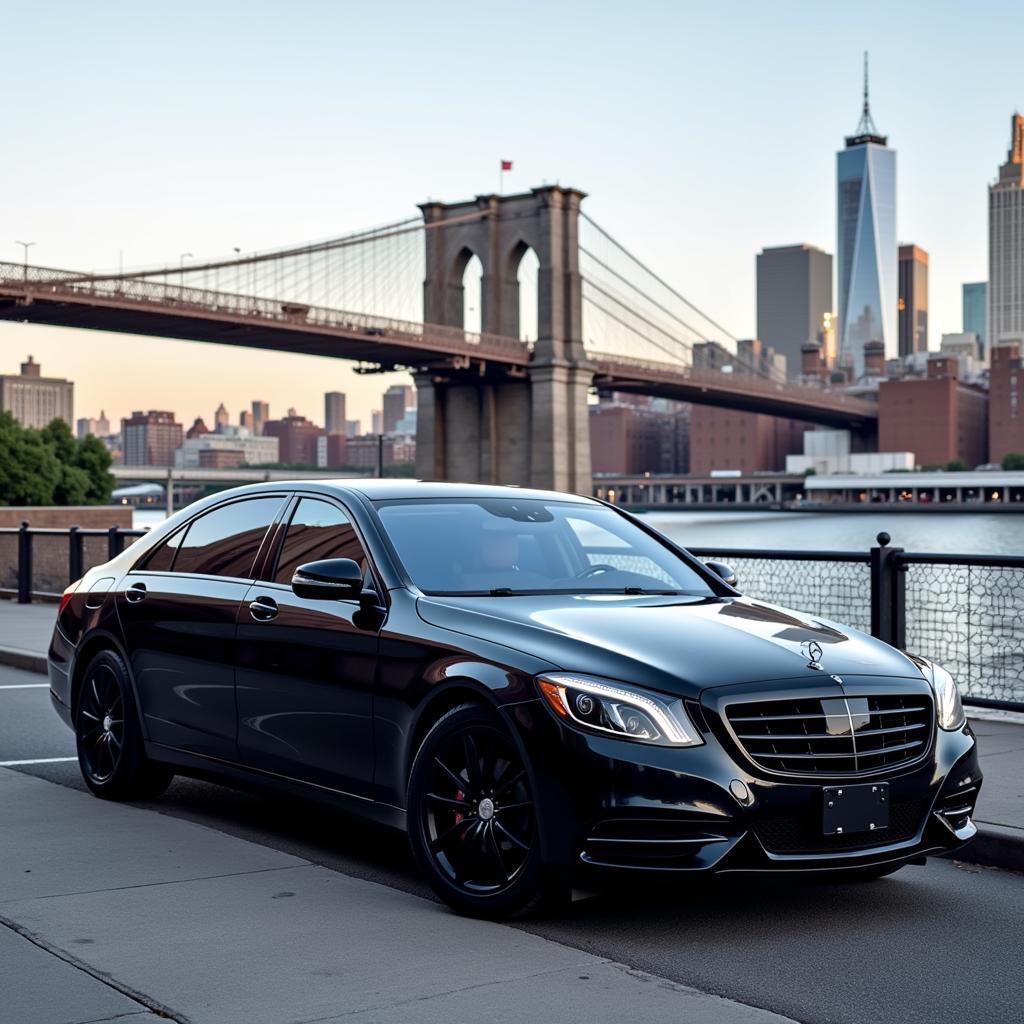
[866, 241]
[397, 399]
[150, 438]
[98, 427]
[913, 300]
[376, 422]
[260, 415]
[297, 438]
[334, 412]
[245, 420]
[794, 295]
[221, 419]
[975, 301]
[1006, 244]
[353, 428]
[34, 400]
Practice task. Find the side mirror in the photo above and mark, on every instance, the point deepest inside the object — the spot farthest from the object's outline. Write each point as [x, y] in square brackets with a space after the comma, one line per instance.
[330, 579]
[726, 572]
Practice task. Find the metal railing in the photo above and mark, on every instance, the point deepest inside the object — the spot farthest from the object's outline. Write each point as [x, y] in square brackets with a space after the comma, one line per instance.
[965, 612]
[82, 549]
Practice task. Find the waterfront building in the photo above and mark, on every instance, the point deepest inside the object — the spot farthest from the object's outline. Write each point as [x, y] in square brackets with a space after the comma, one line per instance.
[632, 434]
[331, 451]
[729, 439]
[297, 438]
[794, 296]
[150, 438]
[975, 312]
[353, 428]
[334, 412]
[1006, 401]
[34, 400]
[867, 276]
[398, 399]
[220, 451]
[939, 418]
[912, 305]
[198, 429]
[364, 450]
[1006, 244]
[964, 347]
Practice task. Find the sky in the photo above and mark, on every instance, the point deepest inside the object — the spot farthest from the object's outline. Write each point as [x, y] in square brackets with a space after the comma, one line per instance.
[701, 133]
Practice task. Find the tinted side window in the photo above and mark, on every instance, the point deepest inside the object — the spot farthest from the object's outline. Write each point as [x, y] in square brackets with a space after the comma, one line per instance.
[225, 542]
[162, 558]
[317, 530]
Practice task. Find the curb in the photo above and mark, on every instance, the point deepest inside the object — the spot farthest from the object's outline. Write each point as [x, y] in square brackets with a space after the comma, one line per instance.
[995, 846]
[25, 660]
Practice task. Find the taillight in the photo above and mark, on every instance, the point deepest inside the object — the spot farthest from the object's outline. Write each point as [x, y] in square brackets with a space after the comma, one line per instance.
[65, 597]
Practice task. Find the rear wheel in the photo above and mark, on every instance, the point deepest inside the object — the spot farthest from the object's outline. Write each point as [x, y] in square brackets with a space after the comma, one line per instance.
[108, 737]
[472, 819]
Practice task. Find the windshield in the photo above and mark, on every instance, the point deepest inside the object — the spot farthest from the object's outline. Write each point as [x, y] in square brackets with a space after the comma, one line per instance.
[502, 546]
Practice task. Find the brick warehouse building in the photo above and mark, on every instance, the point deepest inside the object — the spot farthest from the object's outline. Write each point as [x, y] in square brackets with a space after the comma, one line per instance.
[1006, 408]
[939, 418]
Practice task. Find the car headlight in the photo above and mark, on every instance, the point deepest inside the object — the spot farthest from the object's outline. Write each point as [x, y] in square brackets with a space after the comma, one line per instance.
[630, 714]
[949, 710]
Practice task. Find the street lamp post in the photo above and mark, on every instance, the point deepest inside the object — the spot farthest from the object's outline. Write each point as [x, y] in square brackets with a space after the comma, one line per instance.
[25, 246]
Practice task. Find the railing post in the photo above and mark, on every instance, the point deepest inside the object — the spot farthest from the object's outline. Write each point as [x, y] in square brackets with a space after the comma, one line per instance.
[115, 542]
[74, 554]
[24, 565]
[888, 588]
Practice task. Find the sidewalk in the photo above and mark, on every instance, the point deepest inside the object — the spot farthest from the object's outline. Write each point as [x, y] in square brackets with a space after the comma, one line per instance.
[143, 917]
[25, 636]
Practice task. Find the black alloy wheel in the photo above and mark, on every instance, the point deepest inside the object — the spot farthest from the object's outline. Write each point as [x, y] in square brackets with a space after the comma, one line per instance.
[472, 818]
[111, 755]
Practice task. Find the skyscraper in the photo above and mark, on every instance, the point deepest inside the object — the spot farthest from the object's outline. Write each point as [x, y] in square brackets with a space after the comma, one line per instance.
[34, 400]
[397, 399]
[913, 300]
[1006, 244]
[794, 294]
[866, 249]
[976, 312]
[260, 415]
[334, 412]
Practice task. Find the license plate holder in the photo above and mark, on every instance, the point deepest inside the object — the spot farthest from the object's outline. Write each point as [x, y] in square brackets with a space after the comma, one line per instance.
[860, 808]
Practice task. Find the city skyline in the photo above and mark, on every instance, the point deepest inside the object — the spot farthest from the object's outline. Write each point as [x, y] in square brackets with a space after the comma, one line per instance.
[703, 232]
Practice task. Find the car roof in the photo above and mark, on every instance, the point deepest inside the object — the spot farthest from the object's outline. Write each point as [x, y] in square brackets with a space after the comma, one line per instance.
[375, 489]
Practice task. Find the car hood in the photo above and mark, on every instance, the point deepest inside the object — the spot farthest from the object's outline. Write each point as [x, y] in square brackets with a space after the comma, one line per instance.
[675, 644]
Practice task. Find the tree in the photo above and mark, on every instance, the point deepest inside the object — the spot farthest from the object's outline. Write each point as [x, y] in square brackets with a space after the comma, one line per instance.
[29, 469]
[50, 467]
[956, 466]
[1013, 461]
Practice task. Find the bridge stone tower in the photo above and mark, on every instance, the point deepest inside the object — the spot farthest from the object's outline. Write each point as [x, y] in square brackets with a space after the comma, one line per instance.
[484, 424]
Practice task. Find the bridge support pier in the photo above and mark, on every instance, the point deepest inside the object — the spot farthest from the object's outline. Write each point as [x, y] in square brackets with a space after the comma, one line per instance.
[479, 425]
[532, 432]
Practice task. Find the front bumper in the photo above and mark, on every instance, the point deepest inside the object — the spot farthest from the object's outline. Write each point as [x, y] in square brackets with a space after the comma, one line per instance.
[610, 804]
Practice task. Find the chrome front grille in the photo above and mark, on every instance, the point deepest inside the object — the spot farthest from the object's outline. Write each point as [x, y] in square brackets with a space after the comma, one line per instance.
[833, 735]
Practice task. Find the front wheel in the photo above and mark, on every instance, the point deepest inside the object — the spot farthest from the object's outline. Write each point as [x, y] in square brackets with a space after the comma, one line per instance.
[472, 818]
[108, 737]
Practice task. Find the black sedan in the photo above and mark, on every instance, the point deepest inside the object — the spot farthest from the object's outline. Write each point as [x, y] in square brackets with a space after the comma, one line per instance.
[537, 686]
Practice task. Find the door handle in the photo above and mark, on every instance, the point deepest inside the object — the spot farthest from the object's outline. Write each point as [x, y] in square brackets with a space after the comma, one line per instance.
[136, 592]
[263, 609]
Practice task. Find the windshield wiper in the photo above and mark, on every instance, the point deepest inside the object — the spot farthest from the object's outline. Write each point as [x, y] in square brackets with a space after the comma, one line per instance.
[500, 592]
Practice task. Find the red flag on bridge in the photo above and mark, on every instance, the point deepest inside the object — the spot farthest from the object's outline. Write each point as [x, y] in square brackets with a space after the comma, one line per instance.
[506, 165]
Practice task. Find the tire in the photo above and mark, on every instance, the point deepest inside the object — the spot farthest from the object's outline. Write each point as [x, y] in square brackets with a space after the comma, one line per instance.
[472, 820]
[108, 737]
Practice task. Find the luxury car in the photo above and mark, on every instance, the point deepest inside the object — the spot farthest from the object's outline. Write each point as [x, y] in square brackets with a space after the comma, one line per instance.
[537, 686]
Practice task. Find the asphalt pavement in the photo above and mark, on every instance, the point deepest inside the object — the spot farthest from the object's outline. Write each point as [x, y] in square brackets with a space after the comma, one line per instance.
[938, 943]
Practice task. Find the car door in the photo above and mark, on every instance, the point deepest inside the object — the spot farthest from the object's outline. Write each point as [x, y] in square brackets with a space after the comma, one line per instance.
[179, 611]
[305, 669]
